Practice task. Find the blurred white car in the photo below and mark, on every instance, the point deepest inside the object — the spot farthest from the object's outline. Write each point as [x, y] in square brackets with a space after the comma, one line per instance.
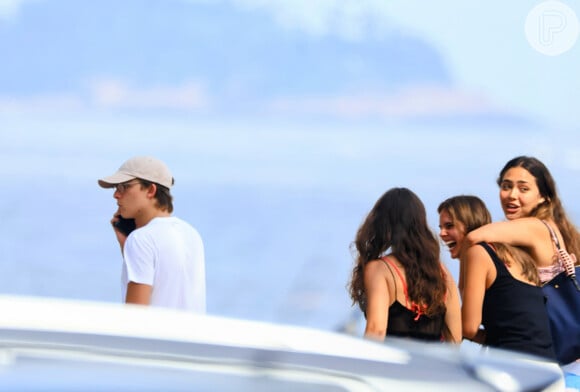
[60, 345]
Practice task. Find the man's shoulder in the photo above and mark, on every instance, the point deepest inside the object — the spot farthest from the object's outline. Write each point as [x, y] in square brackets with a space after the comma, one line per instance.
[165, 220]
[170, 223]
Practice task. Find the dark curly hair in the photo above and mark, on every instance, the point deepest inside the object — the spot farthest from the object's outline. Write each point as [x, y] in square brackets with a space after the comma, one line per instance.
[398, 222]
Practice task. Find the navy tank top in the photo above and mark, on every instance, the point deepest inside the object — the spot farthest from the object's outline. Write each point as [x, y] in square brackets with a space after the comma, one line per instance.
[514, 313]
[411, 323]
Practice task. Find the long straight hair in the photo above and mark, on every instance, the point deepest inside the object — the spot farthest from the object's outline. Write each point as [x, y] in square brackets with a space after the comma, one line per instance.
[551, 207]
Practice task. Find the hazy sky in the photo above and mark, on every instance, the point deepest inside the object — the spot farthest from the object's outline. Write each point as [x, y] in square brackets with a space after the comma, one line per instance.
[487, 49]
[492, 65]
[483, 44]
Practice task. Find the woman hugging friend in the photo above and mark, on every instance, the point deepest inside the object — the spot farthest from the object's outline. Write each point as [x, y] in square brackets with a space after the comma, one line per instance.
[537, 222]
[531, 205]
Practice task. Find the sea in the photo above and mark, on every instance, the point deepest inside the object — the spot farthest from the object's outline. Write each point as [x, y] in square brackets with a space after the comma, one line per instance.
[277, 203]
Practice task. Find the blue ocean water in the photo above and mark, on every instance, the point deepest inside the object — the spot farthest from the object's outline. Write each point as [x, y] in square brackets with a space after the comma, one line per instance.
[277, 205]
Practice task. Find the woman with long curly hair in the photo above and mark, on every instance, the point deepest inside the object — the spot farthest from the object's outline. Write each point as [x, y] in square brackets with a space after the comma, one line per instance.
[398, 280]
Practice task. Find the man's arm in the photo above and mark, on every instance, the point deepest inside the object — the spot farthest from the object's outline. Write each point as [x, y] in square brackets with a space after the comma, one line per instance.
[138, 293]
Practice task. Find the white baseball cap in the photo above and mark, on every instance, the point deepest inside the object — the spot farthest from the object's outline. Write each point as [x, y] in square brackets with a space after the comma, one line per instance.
[143, 167]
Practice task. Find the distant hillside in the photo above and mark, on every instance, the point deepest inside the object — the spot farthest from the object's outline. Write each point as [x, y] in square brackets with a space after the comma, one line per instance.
[59, 45]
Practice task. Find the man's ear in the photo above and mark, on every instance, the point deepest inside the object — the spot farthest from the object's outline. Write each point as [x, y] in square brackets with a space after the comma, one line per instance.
[152, 190]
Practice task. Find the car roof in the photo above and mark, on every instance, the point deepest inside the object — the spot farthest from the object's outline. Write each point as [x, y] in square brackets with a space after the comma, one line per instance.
[77, 345]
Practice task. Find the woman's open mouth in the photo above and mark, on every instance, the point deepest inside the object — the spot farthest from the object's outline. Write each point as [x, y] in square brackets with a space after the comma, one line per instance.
[511, 208]
[451, 244]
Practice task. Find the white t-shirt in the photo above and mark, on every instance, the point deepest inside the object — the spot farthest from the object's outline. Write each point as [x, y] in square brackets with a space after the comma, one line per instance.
[168, 255]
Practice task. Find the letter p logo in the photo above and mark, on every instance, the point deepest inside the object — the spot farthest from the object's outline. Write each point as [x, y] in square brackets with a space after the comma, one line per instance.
[551, 28]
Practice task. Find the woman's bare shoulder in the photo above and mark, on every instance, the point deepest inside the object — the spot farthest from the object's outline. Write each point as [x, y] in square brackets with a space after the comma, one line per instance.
[374, 266]
[476, 253]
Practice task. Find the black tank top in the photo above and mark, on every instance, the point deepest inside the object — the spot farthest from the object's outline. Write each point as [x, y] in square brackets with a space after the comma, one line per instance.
[514, 313]
[404, 322]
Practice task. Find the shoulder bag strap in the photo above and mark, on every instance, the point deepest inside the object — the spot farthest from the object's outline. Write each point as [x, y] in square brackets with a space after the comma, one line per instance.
[567, 261]
[554, 238]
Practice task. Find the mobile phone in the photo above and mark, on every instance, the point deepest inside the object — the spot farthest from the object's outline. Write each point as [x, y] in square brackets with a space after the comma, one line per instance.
[125, 225]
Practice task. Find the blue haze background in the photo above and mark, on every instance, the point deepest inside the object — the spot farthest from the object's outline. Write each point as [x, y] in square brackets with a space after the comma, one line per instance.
[283, 122]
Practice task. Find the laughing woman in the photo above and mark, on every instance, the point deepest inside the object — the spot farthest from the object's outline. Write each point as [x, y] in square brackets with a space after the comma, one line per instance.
[499, 284]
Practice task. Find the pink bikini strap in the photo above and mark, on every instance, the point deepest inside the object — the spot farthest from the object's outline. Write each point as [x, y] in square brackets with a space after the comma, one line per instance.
[386, 259]
[414, 306]
[392, 274]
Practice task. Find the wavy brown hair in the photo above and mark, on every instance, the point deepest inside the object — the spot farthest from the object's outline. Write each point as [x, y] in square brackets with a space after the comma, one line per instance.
[551, 207]
[472, 213]
[398, 222]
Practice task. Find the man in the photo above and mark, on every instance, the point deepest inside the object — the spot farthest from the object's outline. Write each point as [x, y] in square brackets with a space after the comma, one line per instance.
[163, 257]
